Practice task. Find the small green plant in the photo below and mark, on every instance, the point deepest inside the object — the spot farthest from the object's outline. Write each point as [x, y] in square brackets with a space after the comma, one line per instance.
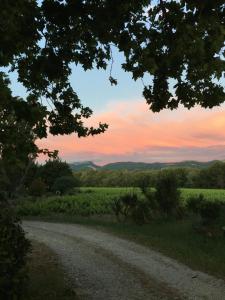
[167, 194]
[14, 248]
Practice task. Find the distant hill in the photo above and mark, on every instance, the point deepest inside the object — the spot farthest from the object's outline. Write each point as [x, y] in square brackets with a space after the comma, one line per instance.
[84, 165]
[89, 165]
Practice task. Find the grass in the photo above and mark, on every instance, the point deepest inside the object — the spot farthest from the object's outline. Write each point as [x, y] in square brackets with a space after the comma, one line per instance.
[46, 277]
[179, 241]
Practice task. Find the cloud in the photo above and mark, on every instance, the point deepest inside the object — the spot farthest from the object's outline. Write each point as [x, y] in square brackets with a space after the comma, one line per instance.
[137, 134]
[156, 154]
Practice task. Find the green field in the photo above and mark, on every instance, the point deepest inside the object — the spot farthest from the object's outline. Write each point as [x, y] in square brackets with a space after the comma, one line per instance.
[94, 201]
[212, 194]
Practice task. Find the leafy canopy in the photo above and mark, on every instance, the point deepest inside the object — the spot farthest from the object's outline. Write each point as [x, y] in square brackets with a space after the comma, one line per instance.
[168, 39]
[52, 170]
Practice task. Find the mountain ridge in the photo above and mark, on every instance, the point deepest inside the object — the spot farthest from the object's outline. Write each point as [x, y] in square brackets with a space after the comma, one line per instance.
[128, 165]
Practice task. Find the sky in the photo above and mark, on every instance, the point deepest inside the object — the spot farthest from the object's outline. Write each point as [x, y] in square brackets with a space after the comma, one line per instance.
[135, 133]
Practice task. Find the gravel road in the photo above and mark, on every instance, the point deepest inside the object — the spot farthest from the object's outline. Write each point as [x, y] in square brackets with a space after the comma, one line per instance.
[102, 266]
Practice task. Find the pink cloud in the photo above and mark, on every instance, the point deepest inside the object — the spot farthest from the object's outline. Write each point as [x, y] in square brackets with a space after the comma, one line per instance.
[135, 133]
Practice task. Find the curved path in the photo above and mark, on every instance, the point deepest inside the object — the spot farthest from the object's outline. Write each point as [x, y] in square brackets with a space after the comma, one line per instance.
[102, 266]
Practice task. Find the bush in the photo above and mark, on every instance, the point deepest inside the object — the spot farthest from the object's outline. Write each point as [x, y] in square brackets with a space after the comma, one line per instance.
[143, 182]
[37, 188]
[167, 194]
[14, 248]
[208, 210]
[130, 206]
[141, 213]
[151, 200]
[52, 170]
[194, 203]
[123, 204]
[64, 184]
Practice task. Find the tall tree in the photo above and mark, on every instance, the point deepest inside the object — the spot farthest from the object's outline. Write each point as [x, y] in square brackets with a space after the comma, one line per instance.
[181, 40]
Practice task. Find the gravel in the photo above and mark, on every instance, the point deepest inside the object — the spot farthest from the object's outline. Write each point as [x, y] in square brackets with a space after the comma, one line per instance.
[102, 266]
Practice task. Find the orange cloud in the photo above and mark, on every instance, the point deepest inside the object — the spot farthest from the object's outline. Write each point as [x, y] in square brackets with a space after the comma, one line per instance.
[135, 133]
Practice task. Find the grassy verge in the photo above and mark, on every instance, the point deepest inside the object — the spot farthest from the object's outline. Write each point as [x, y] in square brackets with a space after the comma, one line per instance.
[176, 239]
[46, 278]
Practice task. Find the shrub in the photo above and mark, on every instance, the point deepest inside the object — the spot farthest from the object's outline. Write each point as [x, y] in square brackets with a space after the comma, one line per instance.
[37, 188]
[14, 248]
[52, 170]
[194, 203]
[151, 200]
[120, 205]
[167, 194]
[208, 210]
[130, 206]
[64, 184]
[143, 182]
[141, 213]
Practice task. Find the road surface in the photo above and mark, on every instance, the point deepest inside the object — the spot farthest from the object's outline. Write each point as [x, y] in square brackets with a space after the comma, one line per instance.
[102, 266]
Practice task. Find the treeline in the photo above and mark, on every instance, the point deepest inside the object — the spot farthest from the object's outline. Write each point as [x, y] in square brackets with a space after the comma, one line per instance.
[55, 176]
[210, 177]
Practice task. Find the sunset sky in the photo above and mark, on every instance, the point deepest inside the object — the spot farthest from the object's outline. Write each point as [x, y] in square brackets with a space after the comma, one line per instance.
[135, 133]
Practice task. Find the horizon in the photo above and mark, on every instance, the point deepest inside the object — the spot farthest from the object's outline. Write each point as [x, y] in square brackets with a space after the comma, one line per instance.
[144, 162]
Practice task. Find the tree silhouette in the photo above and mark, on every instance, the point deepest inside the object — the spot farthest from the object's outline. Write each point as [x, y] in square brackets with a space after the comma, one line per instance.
[179, 43]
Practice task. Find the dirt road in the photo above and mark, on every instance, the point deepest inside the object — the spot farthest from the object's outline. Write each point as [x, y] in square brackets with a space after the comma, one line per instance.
[102, 266]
